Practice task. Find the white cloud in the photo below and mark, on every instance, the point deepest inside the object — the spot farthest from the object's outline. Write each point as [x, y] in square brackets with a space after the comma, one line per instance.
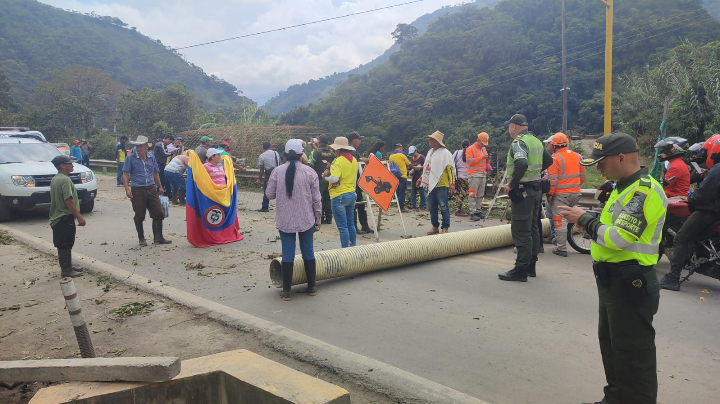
[265, 64]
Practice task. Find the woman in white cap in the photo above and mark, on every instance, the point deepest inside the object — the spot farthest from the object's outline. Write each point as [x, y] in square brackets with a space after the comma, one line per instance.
[214, 167]
[341, 175]
[298, 211]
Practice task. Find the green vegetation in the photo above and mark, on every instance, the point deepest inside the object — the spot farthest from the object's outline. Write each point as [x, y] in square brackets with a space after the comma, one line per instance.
[473, 69]
[36, 39]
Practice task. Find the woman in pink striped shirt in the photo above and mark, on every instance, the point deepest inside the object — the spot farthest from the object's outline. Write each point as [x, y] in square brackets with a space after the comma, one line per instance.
[214, 167]
[298, 211]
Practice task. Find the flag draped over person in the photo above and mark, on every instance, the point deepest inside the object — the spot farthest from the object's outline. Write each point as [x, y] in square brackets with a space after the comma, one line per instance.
[211, 209]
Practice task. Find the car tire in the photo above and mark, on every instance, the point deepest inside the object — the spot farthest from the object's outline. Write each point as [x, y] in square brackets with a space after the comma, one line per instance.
[4, 212]
[86, 207]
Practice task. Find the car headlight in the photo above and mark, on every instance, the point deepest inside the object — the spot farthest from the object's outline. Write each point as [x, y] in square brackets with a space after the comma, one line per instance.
[86, 176]
[23, 180]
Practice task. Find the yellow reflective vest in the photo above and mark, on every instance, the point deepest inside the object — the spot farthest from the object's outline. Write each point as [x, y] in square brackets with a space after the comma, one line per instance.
[631, 224]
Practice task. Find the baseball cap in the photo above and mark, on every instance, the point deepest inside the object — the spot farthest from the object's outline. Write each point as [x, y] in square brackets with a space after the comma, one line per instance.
[611, 145]
[180, 138]
[548, 140]
[76, 141]
[205, 139]
[354, 135]
[57, 160]
[412, 149]
[294, 145]
[398, 145]
[211, 152]
[517, 119]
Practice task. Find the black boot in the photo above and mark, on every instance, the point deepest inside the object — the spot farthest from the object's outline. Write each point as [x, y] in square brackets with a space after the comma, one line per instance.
[157, 232]
[362, 218]
[141, 234]
[175, 197]
[181, 196]
[287, 274]
[671, 281]
[531, 270]
[516, 274]
[310, 273]
[65, 260]
[328, 218]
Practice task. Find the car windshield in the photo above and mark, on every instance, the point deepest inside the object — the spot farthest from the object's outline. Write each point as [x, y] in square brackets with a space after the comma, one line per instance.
[27, 152]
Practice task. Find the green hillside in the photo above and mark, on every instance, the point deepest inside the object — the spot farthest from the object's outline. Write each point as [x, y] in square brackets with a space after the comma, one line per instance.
[473, 69]
[36, 38]
[312, 91]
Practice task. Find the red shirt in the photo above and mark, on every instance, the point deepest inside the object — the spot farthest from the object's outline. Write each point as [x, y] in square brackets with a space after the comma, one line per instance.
[681, 184]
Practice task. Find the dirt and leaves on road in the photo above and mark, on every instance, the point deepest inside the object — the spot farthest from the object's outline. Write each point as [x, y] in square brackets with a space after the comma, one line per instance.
[123, 322]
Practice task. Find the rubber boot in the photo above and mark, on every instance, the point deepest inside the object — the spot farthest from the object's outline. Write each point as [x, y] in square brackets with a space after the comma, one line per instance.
[157, 232]
[310, 274]
[671, 281]
[141, 234]
[65, 260]
[181, 196]
[362, 218]
[175, 197]
[514, 275]
[328, 218]
[531, 270]
[287, 274]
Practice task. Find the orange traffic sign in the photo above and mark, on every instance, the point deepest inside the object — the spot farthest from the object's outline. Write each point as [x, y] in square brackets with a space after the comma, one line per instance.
[379, 183]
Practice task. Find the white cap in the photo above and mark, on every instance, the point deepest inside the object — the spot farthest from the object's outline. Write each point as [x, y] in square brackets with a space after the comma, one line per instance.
[294, 144]
[548, 140]
[412, 149]
[211, 152]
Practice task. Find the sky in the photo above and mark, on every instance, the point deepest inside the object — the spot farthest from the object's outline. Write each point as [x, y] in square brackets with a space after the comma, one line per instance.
[261, 66]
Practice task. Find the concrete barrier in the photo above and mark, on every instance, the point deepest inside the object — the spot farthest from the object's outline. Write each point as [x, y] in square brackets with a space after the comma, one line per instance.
[156, 369]
[229, 377]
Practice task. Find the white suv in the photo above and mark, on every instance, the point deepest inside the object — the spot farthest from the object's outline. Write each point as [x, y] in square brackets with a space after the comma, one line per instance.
[26, 172]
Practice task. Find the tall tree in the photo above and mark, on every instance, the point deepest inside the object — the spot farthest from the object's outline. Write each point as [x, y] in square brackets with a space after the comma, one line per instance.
[7, 104]
[404, 32]
[140, 110]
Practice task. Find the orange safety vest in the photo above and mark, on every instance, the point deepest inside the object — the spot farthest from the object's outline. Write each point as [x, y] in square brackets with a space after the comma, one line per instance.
[566, 175]
[476, 159]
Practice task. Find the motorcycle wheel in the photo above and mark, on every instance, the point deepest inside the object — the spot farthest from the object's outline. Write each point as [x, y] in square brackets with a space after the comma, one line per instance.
[580, 241]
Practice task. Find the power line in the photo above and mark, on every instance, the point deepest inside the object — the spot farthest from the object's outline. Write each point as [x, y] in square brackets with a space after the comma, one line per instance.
[284, 28]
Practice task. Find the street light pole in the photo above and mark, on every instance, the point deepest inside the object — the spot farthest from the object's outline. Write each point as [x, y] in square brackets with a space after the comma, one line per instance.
[608, 63]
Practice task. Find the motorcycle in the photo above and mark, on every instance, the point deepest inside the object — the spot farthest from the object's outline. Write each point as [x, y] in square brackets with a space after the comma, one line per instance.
[704, 257]
[577, 237]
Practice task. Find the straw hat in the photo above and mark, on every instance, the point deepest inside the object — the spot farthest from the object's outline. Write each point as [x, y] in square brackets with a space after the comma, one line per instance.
[341, 143]
[439, 136]
[141, 140]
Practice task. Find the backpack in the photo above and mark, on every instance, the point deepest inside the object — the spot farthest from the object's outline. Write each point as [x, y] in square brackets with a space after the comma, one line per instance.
[395, 170]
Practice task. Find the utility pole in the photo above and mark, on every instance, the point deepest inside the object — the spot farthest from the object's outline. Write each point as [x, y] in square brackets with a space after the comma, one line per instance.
[608, 63]
[564, 74]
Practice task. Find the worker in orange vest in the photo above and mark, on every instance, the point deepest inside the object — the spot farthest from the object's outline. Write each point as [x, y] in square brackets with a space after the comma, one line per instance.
[476, 160]
[566, 176]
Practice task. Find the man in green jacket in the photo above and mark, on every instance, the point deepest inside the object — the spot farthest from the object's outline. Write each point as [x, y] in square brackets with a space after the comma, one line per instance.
[64, 210]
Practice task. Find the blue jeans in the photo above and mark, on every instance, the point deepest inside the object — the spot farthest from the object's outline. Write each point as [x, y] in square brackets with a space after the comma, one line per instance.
[176, 180]
[413, 197]
[120, 173]
[439, 198]
[266, 201]
[343, 208]
[401, 189]
[86, 161]
[306, 245]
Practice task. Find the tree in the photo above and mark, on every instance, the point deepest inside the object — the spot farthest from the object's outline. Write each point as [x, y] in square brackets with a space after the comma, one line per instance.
[404, 32]
[7, 104]
[141, 110]
[75, 100]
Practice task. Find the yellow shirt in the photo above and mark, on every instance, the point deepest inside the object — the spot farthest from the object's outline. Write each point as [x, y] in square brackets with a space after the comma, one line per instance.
[401, 161]
[347, 172]
[446, 178]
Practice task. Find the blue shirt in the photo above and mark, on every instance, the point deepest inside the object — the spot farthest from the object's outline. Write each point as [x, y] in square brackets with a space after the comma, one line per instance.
[76, 152]
[142, 173]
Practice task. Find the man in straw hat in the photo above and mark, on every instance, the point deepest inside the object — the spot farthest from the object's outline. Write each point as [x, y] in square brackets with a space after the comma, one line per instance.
[438, 177]
[144, 190]
[525, 161]
[624, 251]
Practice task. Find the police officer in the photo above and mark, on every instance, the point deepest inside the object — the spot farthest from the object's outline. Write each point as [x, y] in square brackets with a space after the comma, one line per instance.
[624, 249]
[320, 160]
[525, 161]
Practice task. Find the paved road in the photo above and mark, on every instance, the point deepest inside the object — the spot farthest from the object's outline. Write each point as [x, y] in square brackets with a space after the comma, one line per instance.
[451, 321]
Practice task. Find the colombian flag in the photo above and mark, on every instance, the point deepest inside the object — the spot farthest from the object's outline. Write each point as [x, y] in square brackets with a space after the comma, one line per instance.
[211, 209]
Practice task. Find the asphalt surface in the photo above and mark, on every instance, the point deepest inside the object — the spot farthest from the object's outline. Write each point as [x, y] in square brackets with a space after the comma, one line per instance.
[451, 321]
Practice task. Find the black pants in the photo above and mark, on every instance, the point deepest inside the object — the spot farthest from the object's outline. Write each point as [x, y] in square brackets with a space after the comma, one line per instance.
[64, 232]
[360, 209]
[692, 230]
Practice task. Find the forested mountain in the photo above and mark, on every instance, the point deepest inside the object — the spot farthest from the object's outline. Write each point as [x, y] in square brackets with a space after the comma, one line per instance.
[36, 39]
[312, 91]
[473, 69]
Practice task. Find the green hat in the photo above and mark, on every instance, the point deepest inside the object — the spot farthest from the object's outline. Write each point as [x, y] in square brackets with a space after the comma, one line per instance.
[611, 145]
[517, 119]
[205, 139]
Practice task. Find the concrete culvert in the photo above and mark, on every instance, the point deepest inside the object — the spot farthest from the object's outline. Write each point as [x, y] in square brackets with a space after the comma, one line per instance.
[373, 257]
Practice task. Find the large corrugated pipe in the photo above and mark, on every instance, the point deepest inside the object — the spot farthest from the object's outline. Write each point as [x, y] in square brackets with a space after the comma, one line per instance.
[373, 257]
